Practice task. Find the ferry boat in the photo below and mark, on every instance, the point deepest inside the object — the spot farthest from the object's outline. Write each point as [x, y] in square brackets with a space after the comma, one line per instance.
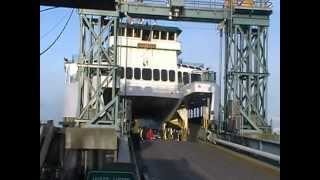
[152, 74]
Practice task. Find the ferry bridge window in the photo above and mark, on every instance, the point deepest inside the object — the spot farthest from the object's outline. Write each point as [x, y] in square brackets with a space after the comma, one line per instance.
[171, 35]
[146, 35]
[156, 75]
[129, 73]
[155, 34]
[179, 77]
[121, 72]
[137, 33]
[129, 32]
[171, 75]
[146, 74]
[186, 78]
[137, 73]
[195, 77]
[164, 75]
[163, 35]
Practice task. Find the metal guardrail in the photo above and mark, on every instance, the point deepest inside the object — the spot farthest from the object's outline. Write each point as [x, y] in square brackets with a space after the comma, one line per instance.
[250, 150]
[48, 136]
[134, 158]
[213, 138]
[264, 145]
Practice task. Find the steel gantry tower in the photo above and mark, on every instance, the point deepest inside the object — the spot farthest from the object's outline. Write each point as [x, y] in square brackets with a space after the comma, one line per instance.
[97, 69]
[246, 76]
[245, 25]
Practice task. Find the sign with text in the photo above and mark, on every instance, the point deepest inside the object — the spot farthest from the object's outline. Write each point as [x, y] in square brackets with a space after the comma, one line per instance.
[110, 175]
[146, 45]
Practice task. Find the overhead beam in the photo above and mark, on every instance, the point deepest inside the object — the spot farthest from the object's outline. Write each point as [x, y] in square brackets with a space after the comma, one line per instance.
[88, 4]
[96, 12]
[214, 15]
[245, 16]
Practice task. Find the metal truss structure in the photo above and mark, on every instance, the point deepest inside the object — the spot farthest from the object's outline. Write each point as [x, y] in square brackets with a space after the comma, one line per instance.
[246, 75]
[98, 71]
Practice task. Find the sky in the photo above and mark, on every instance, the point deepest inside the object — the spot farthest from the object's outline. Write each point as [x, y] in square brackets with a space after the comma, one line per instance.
[202, 38]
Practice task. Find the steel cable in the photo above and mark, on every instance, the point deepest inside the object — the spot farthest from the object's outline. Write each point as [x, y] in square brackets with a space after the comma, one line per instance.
[64, 27]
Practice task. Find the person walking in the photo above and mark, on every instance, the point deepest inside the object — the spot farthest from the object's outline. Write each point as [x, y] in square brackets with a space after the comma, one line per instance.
[141, 134]
[135, 134]
[150, 135]
[170, 133]
[179, 135]
[164, 131]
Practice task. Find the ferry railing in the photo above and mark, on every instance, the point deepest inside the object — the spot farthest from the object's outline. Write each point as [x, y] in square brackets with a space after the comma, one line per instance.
[216, 4]
[208, 4]
[212, 4]
[196, 65]
[150, 2]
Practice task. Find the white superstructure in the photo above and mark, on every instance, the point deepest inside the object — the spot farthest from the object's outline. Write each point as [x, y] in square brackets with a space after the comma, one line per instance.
[71, 90]
[149, 57]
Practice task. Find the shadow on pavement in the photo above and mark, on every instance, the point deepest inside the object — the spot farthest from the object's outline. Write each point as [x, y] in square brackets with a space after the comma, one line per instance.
[160, 169]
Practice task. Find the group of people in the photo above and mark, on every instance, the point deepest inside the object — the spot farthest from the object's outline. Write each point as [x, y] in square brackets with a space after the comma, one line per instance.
[140, 134]
[171, 134]
[147, 134]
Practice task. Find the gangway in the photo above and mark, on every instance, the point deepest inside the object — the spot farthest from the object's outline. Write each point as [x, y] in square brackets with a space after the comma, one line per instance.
[194, 91]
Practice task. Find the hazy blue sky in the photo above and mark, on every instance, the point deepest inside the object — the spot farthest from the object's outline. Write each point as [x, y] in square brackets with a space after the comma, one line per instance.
[200, 43]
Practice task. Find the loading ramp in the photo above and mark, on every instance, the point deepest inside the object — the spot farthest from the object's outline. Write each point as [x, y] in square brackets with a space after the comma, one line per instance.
[196, 161]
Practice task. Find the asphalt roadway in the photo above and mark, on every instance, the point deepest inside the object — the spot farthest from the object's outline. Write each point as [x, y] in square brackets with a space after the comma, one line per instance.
[164, 160]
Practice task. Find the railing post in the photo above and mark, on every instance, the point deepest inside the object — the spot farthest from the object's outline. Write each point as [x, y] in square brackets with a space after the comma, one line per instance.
[260, 145]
